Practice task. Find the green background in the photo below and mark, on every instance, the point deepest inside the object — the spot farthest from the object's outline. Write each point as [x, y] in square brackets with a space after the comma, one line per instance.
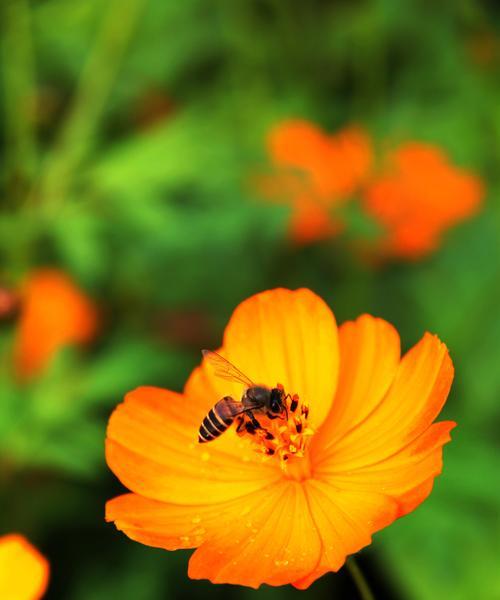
[130, 133]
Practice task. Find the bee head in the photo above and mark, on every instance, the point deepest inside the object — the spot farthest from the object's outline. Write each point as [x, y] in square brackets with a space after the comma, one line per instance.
[276, 405]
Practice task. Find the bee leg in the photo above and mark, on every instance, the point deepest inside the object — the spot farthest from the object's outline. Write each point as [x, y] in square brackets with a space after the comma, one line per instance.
[239, 427]
[271, 416]
[250, 428]
[253, 420]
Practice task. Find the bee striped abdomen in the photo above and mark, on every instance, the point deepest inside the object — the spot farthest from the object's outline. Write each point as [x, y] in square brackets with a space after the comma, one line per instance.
[215, 423]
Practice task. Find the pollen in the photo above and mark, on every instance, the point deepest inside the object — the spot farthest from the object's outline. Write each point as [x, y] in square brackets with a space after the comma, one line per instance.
[284, 438]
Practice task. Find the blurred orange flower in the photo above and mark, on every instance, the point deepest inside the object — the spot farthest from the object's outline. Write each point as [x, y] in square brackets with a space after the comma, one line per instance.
[315, 173]
[357, 450]
[417, 197]
[54, 313]
[24, 572]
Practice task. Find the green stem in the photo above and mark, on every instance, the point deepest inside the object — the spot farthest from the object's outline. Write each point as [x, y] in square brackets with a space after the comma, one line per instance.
[19, 91]
[359, 579]
[96, 82]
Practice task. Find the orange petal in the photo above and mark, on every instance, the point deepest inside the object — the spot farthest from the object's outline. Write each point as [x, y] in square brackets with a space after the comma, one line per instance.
[247, 541]
[348, 507]
[55, 313]
[413, 401]
[378, 453]
[369, 359]
[335, 165]
[419, 195]
[350, 160]
[300, 144]
[311, 221]
[275, 543]
[345, 519]
[160, 524]
[372, 498]
[278, 336]
[152, 447]
[24, 572]
[400, 475]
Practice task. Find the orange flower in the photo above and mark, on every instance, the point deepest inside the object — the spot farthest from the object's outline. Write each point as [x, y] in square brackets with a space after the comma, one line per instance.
[358, 449]
[55, 313]
[24, 572]
[316, 172]
[419, 196]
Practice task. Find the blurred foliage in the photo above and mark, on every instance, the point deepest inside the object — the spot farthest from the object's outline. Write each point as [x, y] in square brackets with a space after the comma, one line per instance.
[131, 132]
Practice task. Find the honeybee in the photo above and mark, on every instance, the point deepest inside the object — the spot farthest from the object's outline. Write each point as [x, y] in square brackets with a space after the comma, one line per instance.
[256, 399]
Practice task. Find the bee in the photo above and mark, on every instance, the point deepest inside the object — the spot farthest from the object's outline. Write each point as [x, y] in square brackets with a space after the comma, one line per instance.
[256, 399]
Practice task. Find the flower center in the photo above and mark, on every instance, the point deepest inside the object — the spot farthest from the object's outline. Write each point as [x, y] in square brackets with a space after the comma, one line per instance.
[285, 437]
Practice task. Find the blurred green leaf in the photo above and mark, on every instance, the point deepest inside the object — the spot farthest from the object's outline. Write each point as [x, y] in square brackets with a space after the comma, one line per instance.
[449, 546]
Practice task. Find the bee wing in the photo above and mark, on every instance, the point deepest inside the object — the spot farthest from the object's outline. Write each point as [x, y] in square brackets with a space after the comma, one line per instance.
[233, 408]
[223, 368]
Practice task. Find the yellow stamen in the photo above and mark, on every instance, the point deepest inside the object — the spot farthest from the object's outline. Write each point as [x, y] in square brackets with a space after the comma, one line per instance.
[284, 439]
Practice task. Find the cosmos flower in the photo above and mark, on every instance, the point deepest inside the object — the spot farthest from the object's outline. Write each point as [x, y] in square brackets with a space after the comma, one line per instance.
[55, 313]
[357, 449]
[417, 197]
[24, 572]
[315, 173]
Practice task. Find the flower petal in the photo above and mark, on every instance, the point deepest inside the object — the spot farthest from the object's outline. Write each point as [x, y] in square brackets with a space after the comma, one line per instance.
[299, 144]
[376, 457]
[276, 543]
[369, 359]
[356, 504]
[349, 507]
[152, 448]
[279, 336]
[413, 401]
[246, 541]
[335, 165]
[311, 221]
[55, 313]
[345, 519]
[404, 475]
[24, 572]
[418, 196]
[174, 526]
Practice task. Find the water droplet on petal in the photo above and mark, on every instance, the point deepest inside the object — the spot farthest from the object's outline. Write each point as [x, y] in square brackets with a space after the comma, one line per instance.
[196, 519]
